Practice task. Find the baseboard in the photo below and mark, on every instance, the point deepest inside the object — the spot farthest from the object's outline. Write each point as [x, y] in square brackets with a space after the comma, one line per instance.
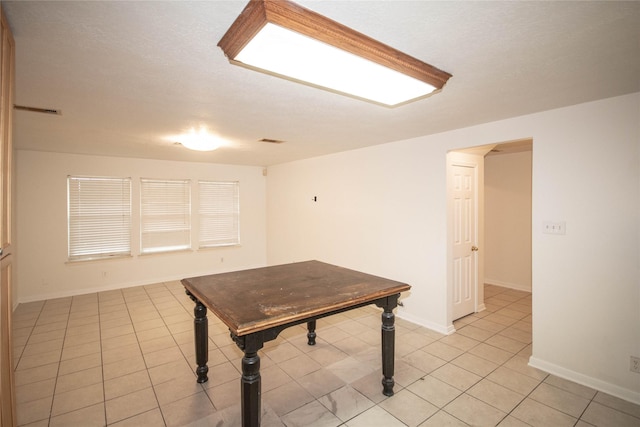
[603, 386]
[84, 291]
[516, 286]
[445, 330]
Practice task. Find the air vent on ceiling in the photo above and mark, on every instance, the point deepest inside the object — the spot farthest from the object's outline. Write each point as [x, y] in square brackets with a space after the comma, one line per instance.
[37, 110]
[271, 141]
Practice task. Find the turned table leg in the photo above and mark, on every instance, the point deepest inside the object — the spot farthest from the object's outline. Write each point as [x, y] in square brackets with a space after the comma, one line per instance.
[311, 334]
[388, 345]
[201, 329]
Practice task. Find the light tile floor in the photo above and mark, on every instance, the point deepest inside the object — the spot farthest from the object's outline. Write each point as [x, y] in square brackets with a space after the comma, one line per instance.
[126, 358]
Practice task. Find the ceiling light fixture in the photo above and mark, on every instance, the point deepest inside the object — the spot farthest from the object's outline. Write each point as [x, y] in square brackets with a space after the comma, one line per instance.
[199, 141]
[282, 38]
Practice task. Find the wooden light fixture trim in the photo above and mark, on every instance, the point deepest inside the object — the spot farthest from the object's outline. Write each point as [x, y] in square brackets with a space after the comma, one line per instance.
[304, 21]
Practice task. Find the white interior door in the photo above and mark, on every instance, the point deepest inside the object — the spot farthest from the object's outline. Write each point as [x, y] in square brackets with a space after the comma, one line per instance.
[464, 238]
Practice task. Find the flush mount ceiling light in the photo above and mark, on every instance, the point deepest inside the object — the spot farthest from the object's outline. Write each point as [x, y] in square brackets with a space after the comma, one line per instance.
[284, 39]
[199, 141]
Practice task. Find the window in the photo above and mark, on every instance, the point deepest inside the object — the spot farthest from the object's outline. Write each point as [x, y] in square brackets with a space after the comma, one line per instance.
[219, 213]
[99, 217]
[165, 215]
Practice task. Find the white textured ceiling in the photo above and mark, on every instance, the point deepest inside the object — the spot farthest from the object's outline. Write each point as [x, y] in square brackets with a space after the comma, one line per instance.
[128, 74]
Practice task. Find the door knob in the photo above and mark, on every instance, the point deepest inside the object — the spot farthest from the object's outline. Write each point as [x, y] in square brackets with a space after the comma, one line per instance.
[474, 248]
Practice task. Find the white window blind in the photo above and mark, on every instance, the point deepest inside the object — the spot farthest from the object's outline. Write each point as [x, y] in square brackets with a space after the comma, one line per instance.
[165, 215]
[219, 213]
[99, 217]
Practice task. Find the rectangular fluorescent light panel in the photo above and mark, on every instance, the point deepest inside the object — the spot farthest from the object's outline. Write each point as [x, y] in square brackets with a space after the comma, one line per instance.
[296, 56]
[282, 38]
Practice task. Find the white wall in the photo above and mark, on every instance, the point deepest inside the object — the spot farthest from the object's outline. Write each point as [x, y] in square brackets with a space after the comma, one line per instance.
[42, 270]
[507, 223]
[382, 210]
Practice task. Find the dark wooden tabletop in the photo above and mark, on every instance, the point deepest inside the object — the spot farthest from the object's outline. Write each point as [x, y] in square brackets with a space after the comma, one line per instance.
[253, 300]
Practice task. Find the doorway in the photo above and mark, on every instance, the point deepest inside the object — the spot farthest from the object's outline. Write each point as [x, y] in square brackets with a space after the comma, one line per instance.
[467, 253]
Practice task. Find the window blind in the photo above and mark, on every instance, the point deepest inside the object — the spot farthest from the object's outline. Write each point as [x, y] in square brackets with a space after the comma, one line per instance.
[99, 217]
[165, 215]
[219, 213]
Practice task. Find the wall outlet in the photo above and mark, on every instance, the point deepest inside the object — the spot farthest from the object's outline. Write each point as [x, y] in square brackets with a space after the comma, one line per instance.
[554, 227]
[635, 364]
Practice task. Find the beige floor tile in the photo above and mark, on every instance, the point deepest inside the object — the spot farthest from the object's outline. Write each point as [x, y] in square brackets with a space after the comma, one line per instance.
[161, 343]
[488, 325]
[312, 414]
[35, 338]
[375, 417]
[120, 353]
[44, 358]
[117, 331]
[475, 333]
[559, 399]
[456, 377]
[443, 351]
[370, 386]
[580, 390]
[346, 403]
[123, 367]
[33, 350]
[424, 361]
[79, 379]
[273, 377]
[510, 421]
[91, 416]
[176, 389]
[149, 324]
[152, 418]
[130, 405]
[325, 354]
[460, 342]
[496, 395]
[80, 363]
[73, 352]
[287, 398]
[35, 391]
[604, 416]
[502, 342]
[34, 410]
[224, 395]
[491, 353]
[300, 366]
[521, 364]
[222, 373]
[73, 340]
[119, 342]
[350, 369]
[155, 333]
[474, 412]
[320, 382]
[187, 410]
[40, 373]
[408, 408]
[539, 415]
[443, 419]
[77, 399]
[405, 373]
[475, 364]
[513, 380]
[126, 384]
[435, 391]
[618, 404]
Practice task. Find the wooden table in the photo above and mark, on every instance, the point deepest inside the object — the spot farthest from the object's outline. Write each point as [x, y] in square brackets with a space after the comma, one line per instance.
[258, 304]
